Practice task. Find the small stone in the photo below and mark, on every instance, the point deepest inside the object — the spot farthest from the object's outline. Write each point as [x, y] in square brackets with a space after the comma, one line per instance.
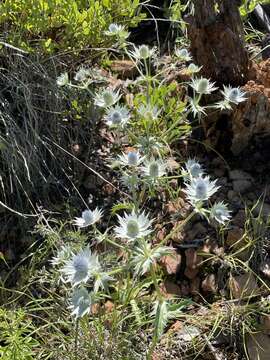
[240, 175]
[195, 286]
[240, 218]
[243, 286]
[191, 273]
[231, 195]
[209, 284]
[262, 209]
[169, 288]
[219, 172]
[125, 68]
[258, 346]
[234, 236]
[240, 186]
[171, 263]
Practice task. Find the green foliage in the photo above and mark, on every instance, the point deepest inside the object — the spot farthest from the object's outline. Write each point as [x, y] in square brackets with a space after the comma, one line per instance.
[16, 339]
[64, 24]
[249, 5]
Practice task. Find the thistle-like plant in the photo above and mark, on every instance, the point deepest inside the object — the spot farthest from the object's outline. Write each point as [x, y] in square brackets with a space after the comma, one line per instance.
[203, 86]
[62, 79]
[231, 96]
[153, 169]
[133, 226]
[89, 217]
[117, 31]
[220, 212]
[144, 256]
[200, 189]
[117, 117]
[193, 169]
[183, 54]
[80, 302]
[148, 111]
[81, 267]
[106, 98]
[143, 52]
[82, 74]
[132, 158]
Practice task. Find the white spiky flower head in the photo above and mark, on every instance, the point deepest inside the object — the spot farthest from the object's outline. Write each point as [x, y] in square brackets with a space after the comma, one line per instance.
[193, 169]
[117, 30]
[234, 95]
[82, 74]
[107, 98]
[81, 267]
[117, 116]
[200, 189]
[63, 254]
[203, 86]
[220, 212]
[132, 158]
[148, 111]
[154, 168]
[131, 181]
[89, 217]
[142, 52]
[133, 226]
[183, 54]
[62, 79]
[192, 69]
[144, 256]
[196, 108]
[80, 302]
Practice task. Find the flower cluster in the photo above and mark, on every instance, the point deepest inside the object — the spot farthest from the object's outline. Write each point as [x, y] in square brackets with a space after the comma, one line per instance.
[199, 189]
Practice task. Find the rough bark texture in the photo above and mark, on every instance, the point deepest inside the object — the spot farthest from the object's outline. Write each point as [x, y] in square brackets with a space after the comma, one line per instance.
[216, 34]
[252, 118]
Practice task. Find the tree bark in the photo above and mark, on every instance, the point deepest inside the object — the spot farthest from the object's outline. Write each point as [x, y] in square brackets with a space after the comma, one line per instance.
[217, 41]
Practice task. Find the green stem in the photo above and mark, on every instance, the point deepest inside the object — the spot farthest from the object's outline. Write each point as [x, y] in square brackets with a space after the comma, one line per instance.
[76, 338]
[154, 278]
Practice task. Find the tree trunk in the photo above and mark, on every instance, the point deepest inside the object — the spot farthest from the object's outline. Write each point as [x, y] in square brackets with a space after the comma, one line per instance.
[217, 43]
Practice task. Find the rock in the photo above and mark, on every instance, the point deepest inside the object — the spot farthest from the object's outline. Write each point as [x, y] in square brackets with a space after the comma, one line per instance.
[241, 180]
[265, 323]
[234, 235]
[192, 258]
[262, 209]
[191, 273]
[209, 284]
[171, 263]
[231, 195]
[240, 218]
[198, 230]
[258, 346]
[241, 186]
[169, 289]
[243, 286]
[219, 172]
[195, 286]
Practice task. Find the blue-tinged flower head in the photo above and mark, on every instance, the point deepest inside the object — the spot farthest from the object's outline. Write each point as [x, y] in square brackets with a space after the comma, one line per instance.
[89, 217]
[200, 189]
[80, 302]
[220, 212]
[132, 158]
[183, 54]
[117, 117]
[193, 169]
[81, 267]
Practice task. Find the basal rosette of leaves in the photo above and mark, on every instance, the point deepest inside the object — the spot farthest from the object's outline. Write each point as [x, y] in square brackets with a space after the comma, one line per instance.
[64, 24]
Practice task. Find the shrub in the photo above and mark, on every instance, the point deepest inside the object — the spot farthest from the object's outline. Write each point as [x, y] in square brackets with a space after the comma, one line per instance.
[64, 24]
